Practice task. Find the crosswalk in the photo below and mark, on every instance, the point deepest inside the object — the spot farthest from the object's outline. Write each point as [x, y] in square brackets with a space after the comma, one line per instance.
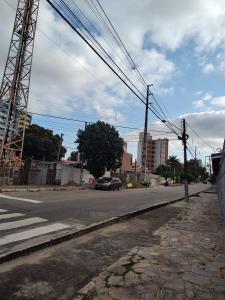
[16, 226]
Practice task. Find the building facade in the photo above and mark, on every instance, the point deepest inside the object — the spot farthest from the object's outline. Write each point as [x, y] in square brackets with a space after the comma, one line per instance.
[157, 151]
[24, 119]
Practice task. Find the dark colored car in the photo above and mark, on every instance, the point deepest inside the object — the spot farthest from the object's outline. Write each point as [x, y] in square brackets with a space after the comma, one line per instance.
[108, 183]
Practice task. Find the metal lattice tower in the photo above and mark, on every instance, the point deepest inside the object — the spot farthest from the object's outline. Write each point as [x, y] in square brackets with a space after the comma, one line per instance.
[14, 89]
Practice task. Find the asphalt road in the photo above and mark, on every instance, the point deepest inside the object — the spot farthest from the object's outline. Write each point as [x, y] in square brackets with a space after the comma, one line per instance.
[58, 272]
[41, 213]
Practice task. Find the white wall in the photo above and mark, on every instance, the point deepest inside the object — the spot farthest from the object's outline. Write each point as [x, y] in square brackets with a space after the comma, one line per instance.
[68, 174]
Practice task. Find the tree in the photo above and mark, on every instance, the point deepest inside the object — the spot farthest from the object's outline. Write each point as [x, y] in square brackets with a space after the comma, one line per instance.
[73, 156]
[40, 143]
[176, 166]
[164, 171]
[196, 170]
[101, 147]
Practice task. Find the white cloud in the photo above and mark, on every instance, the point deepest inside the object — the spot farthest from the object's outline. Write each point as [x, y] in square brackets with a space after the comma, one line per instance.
[68, 77]
[208, 102]
[209, 125]
[218, 101]
[207, 96]
[199, 104]
[208, 68]
[198, 93]
[171, 23]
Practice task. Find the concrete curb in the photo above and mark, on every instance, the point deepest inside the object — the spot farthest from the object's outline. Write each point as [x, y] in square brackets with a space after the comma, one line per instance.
[89, 290]
[76, 233]
[40, 189]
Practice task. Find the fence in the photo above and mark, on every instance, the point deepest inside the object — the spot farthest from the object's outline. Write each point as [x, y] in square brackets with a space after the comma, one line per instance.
[34, 172]
[29, 172]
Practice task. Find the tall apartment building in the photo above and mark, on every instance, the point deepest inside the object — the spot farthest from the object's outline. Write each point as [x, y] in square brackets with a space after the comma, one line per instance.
[157, 151]
[24, 119]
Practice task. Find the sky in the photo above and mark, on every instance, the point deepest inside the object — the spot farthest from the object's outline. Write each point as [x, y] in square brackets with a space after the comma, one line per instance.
[178, 46]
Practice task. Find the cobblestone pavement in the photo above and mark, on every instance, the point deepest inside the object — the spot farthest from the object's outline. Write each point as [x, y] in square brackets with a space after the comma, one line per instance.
[189, 262]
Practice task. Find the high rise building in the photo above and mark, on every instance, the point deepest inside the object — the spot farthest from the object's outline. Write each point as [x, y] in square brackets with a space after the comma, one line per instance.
[157, 151]
[24, 120]
[140, 143]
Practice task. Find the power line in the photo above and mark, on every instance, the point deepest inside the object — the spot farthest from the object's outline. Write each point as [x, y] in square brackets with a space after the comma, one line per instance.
[99, 55]
[93, 39]
[194, 131]
[121, 42]
[85, 121]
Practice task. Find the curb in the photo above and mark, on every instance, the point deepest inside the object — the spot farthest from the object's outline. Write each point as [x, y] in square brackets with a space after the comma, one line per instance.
[77, 233]
[4, 190]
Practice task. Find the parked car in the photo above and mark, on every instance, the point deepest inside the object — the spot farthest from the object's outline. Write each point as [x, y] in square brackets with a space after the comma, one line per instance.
[108, 183]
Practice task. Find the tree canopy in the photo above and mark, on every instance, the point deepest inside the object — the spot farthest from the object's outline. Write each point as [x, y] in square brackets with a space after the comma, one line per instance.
[73, 156]
[164, 171]
[101, 146]
[174, 169]
[40, 143]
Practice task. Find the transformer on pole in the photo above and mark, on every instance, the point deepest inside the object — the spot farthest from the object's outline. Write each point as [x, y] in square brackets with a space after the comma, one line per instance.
[14, 91]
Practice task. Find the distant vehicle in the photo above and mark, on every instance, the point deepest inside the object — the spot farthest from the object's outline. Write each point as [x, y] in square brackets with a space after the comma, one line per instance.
[108, 183]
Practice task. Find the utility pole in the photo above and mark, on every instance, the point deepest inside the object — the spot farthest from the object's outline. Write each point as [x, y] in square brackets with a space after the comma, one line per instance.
[82, 163]
[184, 139]
[58, 158]
[135, 169]
[144, 144]
[209, 164]
[195, 165]
[59, 147]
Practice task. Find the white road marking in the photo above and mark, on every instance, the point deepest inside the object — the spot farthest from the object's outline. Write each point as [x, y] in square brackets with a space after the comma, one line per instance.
[3, 210]
[9, 216]
[20, 199]
[21, 223]
[24, 235]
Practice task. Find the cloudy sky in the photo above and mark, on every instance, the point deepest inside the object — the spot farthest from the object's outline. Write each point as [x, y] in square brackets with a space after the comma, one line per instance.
[179, 47]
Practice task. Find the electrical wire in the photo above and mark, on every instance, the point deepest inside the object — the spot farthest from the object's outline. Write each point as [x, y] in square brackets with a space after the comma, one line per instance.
[194, 131]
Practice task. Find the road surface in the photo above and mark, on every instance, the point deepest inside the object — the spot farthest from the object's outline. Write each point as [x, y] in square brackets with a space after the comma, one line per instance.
[27, 217]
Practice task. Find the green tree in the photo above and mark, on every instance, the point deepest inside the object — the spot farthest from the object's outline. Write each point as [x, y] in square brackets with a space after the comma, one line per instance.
[196, 170]
[40, 143]
[164, 171]
[101, 146]
[73, 156]
[175, 165]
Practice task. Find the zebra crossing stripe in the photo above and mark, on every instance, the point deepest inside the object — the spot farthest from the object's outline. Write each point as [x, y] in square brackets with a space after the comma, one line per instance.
[21, 223]
[20, 199]
[27, 234]
[9, 216]
[3, 210]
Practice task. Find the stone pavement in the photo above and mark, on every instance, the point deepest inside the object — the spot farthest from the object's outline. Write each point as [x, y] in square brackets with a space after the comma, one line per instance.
[189, 262]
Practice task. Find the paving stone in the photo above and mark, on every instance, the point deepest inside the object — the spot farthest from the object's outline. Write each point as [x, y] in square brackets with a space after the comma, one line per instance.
[131, 278]
[117, 269]
[196, 279]
[115, 281]
[189, 262]
[177, 285]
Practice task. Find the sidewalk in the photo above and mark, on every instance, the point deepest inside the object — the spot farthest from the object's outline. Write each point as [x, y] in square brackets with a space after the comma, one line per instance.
[188, 263]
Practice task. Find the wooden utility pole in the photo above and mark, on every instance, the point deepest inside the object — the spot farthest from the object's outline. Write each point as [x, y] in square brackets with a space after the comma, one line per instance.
[184, 139]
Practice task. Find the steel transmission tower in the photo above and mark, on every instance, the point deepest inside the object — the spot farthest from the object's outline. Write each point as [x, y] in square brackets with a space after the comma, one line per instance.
[14, 91]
